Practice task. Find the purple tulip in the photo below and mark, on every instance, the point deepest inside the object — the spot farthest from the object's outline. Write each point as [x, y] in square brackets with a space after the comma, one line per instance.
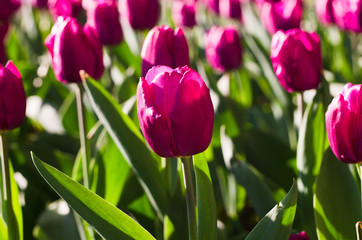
[230, 9]
[13, 99]
[39, 3]
[183, 13]
[212, 5]
[164, 46]
[280, 14]
[223, 48]
[4, 26]
[299, 236]
[343, 124]
[103, 16]
[175, 111]
[8, 8]
[297, 59]
[74, 48]
[324, 11]
[141, 14]
[348, 14]
[65, 8]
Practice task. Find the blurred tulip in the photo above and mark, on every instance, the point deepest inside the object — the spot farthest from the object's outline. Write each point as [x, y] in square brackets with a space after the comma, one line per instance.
[175, 111]
[183, 13]
[348, 14]
[39, 3]
[13, 99]
[230, 9]
[223, 48]
[297, 59]
[280, 14]
[141, 14]
[8, 8]
[4, 26]
[164, 46]
[343, 124]
[66, 8]
[299, 236]
[212, 5]
[324, 11]
[103, 16]
[74, 48]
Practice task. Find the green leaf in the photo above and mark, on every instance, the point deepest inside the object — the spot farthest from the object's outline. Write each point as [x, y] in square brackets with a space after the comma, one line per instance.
[206, 207]
[131, 144]
[109, 221]
[337, 201]
[278, 223]
[3, 229]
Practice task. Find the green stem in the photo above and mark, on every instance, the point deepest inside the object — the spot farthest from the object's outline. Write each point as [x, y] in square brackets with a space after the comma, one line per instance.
[82, 134]
[300, 107]
[190, 196]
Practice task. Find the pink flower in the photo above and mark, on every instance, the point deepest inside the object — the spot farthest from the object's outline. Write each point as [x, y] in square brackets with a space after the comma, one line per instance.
[141, 14]
[230, 9]
[183, 13]
[324, 11]
[8, 8]
[66, 8]
[348, 14]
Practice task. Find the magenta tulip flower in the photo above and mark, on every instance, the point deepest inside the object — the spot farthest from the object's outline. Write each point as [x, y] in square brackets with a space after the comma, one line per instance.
[212, 5]
[4, 26]
[103, 16]
[13, 99]
[8, 8]
[39, 3]
[324, 11]
[343, 124]
[164, 46]
[223, 48]
[74, 48]
[230, 9]
[297, 59]
[348, 14]
[299, 236]
[65, 8]
[175, 111]
[141, 14]
[280, 14]
[183, 13]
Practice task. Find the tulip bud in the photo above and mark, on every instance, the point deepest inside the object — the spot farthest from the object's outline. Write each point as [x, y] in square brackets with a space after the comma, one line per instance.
[74, 48]
[343, 124]
[103, 16]
[66, 8]
[13, 99]
[297, 59]
[280, 14]
[175, 111]
[223, 48]
[8, 8]
[348, 14]
[141, 14]
[299, 236]
[324, 11]
[183, 14]
[230, 9]
[164, 46]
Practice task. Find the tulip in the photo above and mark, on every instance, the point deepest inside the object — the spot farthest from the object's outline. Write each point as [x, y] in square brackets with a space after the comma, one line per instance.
[183, 14]
[74, 48]
[13, 99]
[4, 26]
[230, 9]
[280, 14]
[66, 8]
[343, 124]
[141, 14]
[297, 59]
[212, 5]
[8, 8]
[324, 11]
[103, 16]
[299, 236]
[223, 48]
[39, 3]
[348, 14]
[175, 111]
[164, 46]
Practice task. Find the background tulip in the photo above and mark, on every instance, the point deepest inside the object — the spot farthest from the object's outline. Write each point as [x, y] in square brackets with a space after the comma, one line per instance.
[212, 5]
[103, 16]
[4, 26]
[141, 14]
[175, 111]
[74, 48]
[164, 46]
[66, 8]
[348, 14]
[183, 13]
[223, 48]
[230, 9]
[297, 59]
[343, 124]
[12, 95]
[299, 236]
[324, 11]
[8, 8]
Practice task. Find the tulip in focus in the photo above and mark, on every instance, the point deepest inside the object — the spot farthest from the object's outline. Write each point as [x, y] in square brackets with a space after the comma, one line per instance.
[74, 48]
[299, 236]
[103, 16]
[141, 14]
[344, 124]
[348, 14]
[164, 46]
[13, 99]
[8, 8]
[324, 11]
[66, 8]
[223, 48]
[280, 14]
[297, 59]
[183, 13]
[175, 111]
[230, 9]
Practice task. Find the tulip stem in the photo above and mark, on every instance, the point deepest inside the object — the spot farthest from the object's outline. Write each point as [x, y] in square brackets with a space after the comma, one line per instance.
[190, 196]
[300, 101]
[82, 134]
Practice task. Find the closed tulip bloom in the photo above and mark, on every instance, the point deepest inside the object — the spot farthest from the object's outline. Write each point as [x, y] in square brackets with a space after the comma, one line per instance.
[141, 14]
[223, 48]
[212, 5]
[8, 8]
[12, 97]
[324, 11]
[103, 16]
[164, 46]
[344, 124]
[175, 111]
[230, 9]
[183, 13]
[280, 14]
[348, 14]
[74, 48]
[66, 8]
[297, 59]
